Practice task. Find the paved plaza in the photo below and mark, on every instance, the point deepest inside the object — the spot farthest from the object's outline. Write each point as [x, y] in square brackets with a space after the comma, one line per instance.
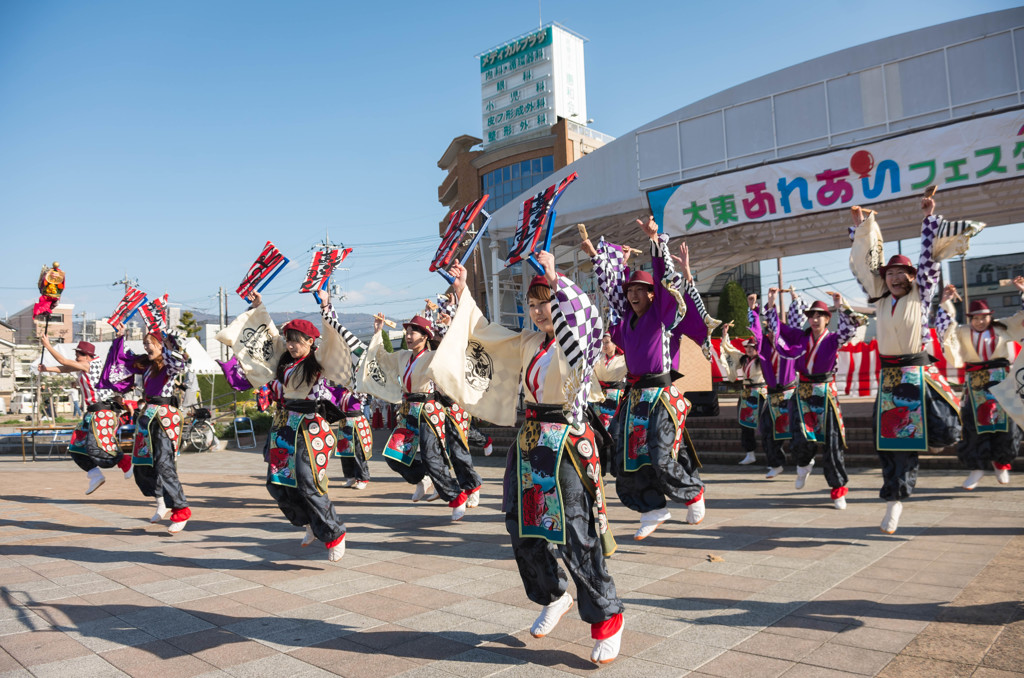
[774, 582]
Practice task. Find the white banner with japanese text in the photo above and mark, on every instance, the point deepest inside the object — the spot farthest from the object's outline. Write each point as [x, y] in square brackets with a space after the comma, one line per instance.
[964, 153]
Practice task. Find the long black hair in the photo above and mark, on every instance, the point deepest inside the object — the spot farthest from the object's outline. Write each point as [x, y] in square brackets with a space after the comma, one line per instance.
[310, 370]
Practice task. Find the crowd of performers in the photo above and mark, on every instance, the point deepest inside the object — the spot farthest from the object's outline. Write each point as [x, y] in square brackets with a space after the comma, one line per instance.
[600, 399]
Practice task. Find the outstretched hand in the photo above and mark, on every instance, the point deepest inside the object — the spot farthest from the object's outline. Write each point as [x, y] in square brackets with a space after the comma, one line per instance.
[547, 261]
[751, 301]
[684, 261]
[459, 272]
[1018, 282]
[949, 293]
[928, 206]
[837, 300]
[378, 322]
[255, 299]
[588, 248]
[648, 226]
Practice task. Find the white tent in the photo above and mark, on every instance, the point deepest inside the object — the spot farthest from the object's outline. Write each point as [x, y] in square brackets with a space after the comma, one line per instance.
[202, 363]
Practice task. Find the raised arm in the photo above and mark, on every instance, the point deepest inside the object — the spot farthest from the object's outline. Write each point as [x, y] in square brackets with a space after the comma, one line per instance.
[795, 314]
[848, 320]
[330, 318]
[928, 269]
[866, 252]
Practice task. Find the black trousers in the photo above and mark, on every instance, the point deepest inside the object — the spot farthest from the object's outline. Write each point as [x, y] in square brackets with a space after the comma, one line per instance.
[748, 439]
[544, 580]
[161, 479]
[774, 449]
[831, 449]
[302, 505]
[649, 488]
[465, 473]
[978, 451]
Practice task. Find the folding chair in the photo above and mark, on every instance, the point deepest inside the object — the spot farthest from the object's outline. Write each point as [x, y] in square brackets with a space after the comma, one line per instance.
[243, 426]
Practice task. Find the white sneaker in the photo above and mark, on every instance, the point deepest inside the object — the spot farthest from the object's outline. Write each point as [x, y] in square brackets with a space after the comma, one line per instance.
[650, 521]
[162, 512]
[772, 472]
[433, 497]
[605, 651]
[95, 480]
[749, 459]
[309, 537]
[891, 521]
[129, 473]
[973, 479]
[423, 489]
[840, 503]
[695, 512]
[1002, 475]
[349, 482]
[550, 615]
[176, 527]
[474, 498]
[801, 474]
[360, 485]
[335, 553]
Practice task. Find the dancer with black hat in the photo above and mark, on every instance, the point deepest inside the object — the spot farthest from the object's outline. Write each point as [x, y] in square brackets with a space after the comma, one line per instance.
[650, 460]
[94, 444]
[991, 439]
[815, 419]
[553, 494]
[915, 408]
[745, 367]
[428, 447]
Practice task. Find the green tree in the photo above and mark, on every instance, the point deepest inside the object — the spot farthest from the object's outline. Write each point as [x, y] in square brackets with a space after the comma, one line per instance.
[733, 306]
[188, 324]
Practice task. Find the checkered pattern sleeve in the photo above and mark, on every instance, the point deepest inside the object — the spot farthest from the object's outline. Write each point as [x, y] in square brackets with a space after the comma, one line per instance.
[795, 317]
[848, 322]
[330, 317]
[927, 268]
[944, 321]
[578, 329]
[771, 316]
[320, 391]
[610, 267]
[99, 394]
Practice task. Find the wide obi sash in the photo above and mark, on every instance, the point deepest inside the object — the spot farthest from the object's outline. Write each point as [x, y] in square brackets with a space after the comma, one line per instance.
[989, 416]
[417, 409]
[647, 393]
[749, 405]
[900, 411]
[354, 430]
[777, 401]
[313, 430]
[154, 418]
[815, 395]
[101, 423]
[541, 444]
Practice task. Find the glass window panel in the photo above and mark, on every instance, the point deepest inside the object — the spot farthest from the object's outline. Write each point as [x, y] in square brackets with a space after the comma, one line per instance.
[506, 173]
[535, 165]
[517, 186]
[549, 163]
[515, 171]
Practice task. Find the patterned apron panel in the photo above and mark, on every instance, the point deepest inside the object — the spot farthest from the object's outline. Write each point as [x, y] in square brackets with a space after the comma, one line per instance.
[357, 431]
[749, 406]
[282, 448]
[639, 406]
[778, 407]
[320, 443]
[901, 414]
[610, 405]
[461, 418]
[142, 448]
[813, 402]
[538, 456]
[989, 417]
[404, 442]
[102, 426]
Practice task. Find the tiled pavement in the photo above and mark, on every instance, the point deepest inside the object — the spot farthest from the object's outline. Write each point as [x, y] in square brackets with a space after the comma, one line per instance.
[89, 588]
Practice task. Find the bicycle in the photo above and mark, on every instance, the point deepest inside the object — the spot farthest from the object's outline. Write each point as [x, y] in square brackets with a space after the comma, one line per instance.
[198, 431]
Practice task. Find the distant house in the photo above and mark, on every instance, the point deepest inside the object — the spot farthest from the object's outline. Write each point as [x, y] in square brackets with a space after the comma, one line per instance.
[7, 344]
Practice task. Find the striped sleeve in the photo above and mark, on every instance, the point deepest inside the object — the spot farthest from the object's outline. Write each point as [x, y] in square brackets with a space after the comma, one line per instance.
[330, 317]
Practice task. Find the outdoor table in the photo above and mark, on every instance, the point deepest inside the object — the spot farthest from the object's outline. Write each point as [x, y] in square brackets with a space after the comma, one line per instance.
[37, 429]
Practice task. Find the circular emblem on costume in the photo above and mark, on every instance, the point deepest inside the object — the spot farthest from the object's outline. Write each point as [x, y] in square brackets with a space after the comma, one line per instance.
[681, 406]
[314, 429]
[673, 391]
[585, 449]
[321, 459]
[320, 475]
[317, 444]
[433, 419]
[311, 416]
[176, 419]
[165, 421]
[429, 407]
[330, 440]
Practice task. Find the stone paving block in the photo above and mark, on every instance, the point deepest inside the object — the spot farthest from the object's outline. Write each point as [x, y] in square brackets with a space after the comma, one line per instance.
[165, 622]
[109, 633]
[733, 663]
[680, 654]
[905, 666]
[90, 666]
[277, 665]
[714, 635]
[778, 646]
[846, 658]
[42, 647]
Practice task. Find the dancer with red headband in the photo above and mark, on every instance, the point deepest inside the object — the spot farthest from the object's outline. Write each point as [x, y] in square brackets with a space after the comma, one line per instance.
[745, 367]
[815, 419]
[650, 460]
[301, 439]
[428, 448]
[94, 444]
[158, 426]
[991, 439]
[915, 408]
[553, 496]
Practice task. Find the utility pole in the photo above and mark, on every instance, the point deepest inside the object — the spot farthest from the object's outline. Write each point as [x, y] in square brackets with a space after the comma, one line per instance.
[221, 301]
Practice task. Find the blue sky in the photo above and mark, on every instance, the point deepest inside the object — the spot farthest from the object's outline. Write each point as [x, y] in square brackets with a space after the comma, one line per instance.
[169, 140]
